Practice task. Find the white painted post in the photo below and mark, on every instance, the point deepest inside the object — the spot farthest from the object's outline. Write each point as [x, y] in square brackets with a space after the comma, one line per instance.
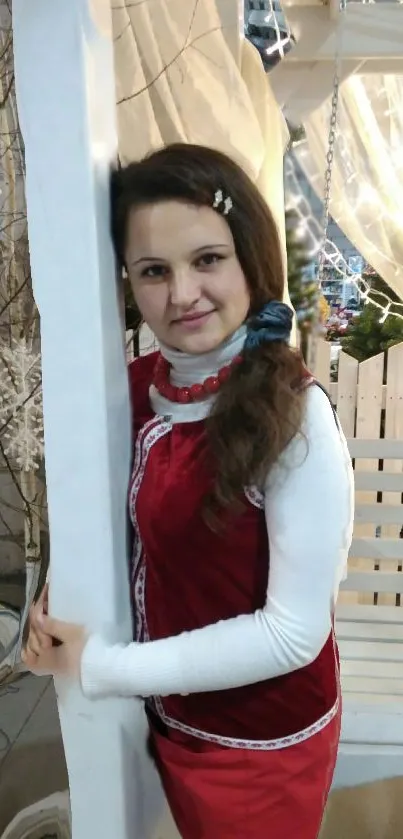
[66, 100]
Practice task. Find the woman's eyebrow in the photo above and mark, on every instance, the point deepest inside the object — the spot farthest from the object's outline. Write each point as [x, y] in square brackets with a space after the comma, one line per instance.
[147, 259]
[197, 250]
[210, 247]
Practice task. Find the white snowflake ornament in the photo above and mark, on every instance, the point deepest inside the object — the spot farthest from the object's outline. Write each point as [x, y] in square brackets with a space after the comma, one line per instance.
[21, 417]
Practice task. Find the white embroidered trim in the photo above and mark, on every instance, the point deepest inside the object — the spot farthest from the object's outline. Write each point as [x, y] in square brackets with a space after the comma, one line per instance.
[151, 432]
[254, 745]
[257, 745]
[137, 546]
[139, 606]
[255, 497]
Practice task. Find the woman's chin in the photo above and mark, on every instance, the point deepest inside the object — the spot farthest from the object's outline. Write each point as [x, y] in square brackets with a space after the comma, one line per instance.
[196, 341]
[202, 341]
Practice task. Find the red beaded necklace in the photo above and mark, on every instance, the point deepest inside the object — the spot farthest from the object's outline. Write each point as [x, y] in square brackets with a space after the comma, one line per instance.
[194, 393]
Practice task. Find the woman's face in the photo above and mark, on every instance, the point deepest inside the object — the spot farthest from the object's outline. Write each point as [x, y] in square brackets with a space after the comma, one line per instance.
[185, 275]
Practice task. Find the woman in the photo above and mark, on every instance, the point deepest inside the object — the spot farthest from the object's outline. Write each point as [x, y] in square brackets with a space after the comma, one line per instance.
[240, 499]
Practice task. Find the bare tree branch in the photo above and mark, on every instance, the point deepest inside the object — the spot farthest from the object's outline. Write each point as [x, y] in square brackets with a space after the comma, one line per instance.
[22, 496]
[7, 93]
[11, 300]
[11, 472]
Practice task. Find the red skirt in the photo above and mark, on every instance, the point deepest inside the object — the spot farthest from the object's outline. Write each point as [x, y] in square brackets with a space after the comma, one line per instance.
[248, 794]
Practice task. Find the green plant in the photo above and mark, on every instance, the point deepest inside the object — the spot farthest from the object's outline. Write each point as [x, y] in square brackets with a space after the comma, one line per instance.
[367, 335]
[303, 290]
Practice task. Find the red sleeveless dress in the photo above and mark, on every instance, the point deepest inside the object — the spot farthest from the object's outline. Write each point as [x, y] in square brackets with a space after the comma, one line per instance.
[253, 761]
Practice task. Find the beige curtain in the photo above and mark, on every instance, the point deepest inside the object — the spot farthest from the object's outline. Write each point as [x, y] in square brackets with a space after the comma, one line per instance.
[367, 185]
[185, 72]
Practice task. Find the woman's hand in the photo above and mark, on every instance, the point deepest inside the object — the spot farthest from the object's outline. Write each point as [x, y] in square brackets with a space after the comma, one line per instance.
[37, 639]
[54, 647]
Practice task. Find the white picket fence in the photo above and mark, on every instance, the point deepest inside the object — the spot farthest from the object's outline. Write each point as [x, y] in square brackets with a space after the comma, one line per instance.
[369, 402]
[369, 624]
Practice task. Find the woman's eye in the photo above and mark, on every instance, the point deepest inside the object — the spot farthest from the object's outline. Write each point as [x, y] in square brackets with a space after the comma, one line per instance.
[154, 271]
[209, 259]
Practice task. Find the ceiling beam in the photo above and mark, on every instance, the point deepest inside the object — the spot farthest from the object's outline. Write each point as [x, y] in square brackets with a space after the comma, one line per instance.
[301, 92]
[301, 88]
[372, 43]
[370, 32]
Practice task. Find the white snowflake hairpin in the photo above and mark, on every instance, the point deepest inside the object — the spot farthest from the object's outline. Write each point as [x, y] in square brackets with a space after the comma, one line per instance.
[219, 200]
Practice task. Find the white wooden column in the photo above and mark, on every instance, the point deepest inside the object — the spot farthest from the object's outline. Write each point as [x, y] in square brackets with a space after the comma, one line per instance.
[66, 101]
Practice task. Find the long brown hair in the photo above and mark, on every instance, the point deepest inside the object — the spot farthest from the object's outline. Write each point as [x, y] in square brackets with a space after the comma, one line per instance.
[259, 409]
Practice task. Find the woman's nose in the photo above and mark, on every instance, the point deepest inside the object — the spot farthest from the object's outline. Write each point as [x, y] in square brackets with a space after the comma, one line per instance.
[184, 291]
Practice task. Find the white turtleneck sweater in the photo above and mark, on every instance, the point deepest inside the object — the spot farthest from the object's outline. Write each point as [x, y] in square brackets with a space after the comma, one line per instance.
[308, 503]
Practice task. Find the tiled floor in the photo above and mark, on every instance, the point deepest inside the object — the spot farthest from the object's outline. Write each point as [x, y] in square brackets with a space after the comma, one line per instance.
[374, 811]
[167, 829]
[32, 764]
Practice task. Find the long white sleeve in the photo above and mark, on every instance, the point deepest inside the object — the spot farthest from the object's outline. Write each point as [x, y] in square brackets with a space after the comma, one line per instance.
[309, 510]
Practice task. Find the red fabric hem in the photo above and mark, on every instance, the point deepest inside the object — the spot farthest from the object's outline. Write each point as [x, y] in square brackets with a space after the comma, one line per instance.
[245, 794]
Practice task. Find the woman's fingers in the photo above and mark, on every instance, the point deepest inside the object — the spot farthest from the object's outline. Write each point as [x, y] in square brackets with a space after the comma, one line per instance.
[29, 658]
[40, 607]
[43, 599]
[34, 648]
[36, 614]
[38, 640]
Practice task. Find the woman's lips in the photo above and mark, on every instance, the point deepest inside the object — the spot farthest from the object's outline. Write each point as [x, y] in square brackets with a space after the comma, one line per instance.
[195, 319]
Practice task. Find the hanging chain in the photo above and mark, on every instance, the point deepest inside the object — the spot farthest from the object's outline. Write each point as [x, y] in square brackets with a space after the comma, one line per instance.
[328, 175]
[331, 143]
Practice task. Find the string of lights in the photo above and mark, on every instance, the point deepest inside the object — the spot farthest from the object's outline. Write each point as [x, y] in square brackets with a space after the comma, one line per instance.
[310, 232]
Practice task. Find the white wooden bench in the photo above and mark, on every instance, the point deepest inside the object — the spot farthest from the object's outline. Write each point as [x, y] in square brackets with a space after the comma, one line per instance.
[369, 621]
